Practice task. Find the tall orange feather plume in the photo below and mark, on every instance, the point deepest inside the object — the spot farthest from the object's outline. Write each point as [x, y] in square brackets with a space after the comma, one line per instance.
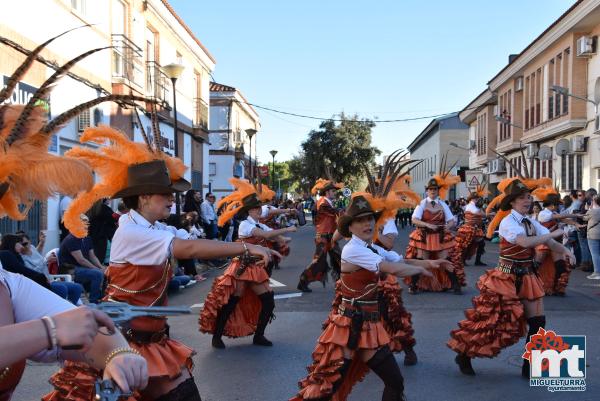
[445, 183]
[31, 172]
[111, 163]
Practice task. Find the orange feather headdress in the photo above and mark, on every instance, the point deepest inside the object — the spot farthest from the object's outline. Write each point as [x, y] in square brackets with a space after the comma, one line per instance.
[111, 162]
[444, 180]
[536, 185]
[28, 172]
[234, 202]
[391, 191]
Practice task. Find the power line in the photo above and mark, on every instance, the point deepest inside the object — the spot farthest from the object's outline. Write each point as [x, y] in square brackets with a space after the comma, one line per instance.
[397, 120]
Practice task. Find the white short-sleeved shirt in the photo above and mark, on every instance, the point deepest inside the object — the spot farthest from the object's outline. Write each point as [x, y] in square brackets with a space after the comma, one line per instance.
[390, 227]
[31, 301]
[265, 210]
[472, 208]
[357, 253]
[418, 212]
[138, 242]
[246, 227]
[545, 215]
[512, 226]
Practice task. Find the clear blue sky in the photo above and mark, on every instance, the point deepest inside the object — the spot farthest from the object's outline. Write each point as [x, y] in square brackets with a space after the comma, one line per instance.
[387, 59]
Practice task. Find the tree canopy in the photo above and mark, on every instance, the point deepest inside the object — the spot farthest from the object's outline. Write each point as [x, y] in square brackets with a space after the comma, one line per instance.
[343, 147]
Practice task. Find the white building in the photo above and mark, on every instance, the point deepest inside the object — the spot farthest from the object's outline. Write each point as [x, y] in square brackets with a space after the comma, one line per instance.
[432, 144]
[146, 35]
[230, 146]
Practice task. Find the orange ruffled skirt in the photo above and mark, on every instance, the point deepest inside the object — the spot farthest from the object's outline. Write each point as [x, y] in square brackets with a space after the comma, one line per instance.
[547, 272]
[398, 322]
[76, 382]
[467, 239]
[244, 318]
[497, 319]
[328, 357]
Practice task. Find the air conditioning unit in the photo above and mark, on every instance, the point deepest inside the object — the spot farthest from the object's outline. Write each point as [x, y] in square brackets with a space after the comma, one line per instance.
[84, 120]
[500, 166]
[519, 84]
[586, 46]
[578, 144]
[531, 150]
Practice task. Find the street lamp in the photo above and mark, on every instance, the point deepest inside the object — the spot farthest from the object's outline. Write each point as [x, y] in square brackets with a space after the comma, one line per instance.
[251, 132]
[173, 71]
[504, 120]
[273, 153]
[561, 90]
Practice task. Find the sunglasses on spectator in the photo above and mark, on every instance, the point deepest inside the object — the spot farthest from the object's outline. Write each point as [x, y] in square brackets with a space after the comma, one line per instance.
[580, 195]
[24, 243]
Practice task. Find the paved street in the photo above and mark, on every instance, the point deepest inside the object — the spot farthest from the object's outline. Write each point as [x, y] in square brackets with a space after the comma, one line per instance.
[248, 373]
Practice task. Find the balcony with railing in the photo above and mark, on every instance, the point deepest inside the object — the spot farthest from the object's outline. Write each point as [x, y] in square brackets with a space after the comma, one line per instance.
[200, 114]
[127, 64]
[158, 86]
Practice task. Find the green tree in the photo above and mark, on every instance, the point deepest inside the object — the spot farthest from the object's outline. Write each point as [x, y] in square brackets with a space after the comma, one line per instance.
[343, 147]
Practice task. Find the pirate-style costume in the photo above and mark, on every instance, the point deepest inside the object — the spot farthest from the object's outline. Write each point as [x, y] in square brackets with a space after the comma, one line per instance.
[425, 243]
[554, 273]
[140, 259]
[225, 313]
[355, 324]
[469, 236]
[497, 319]
[325, 224]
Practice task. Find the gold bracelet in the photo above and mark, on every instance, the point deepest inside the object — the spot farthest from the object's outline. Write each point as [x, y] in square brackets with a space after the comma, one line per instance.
[120, 350]
[246, 251]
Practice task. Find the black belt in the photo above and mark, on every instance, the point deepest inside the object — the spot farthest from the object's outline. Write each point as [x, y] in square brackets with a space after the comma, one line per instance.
[326, 236]
[374, 316]
[145, 337]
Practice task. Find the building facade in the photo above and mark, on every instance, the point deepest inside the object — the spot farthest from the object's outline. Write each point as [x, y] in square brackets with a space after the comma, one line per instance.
[534, 111]
[145, 36]
[444, 135]
[231, 149]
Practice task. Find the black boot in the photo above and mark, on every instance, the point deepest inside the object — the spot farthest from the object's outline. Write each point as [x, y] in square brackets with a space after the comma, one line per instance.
[410, 357]
[480, 252]
[303, 286]
[464, 364]
[185, 391]
[385, 366]
[455, 284]
[534, 325]
[266, 313]
[413, 288]
[222, 317]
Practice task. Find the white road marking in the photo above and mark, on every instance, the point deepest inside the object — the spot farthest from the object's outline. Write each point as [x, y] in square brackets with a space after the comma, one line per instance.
[275, 283]
[292, 295]
[198, 305]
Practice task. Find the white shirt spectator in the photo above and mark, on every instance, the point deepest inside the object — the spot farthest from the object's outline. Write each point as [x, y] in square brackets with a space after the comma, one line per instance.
[246, 227]
[390, 227]
[36, 261]
[207, 212]
[30, 302]
[472, 208]
[357, 253]
[138, 242]
[512, 226]
[545, 215]
[418, 212]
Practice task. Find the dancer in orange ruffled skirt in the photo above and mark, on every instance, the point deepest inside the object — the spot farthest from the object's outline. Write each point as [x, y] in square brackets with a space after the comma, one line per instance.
[432, 238]
[553, 269]
[140, 255]
[511, 295]
[469, 236]
[241, 301]
[354, 338]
